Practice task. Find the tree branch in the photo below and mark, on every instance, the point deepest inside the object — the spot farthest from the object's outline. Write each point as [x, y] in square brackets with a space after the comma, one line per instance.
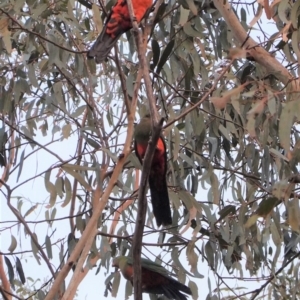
[141, 49]
[141, 213]
[85, 242]
[23, 222]
[206, 95]
[37, 34]
[6, 291]
[259, 54]
[257, 292]
[156, 129]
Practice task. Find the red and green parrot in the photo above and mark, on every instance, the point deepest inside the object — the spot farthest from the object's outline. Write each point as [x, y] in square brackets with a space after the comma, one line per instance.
[155, 278]
[117, 22]
[157, 177]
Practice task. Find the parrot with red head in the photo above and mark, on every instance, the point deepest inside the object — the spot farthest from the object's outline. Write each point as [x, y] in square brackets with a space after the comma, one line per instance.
[157, 177]
[117, 22]
[155, 278]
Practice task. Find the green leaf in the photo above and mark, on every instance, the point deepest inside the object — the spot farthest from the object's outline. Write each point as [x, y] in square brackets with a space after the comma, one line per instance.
[243, 15]
[68, 190]
[47, 180]
[156, 53]
[77, 176]
[294, 215]
[175, 199]
[214, 146]
[79, 111]
[129, 84]
[295, 14]
[38, 10]
[184, 15]
[66, 130]
[186, 198]
[53, 213]
[165, 55]
[251, 128]
[20, 271]
[30, 210]
[35, 249]
[194, 288]
[266, 206]
[53, 195]
[194, 55]
[96, 17]
[210, 254]
[251, 221]
[192, 7]
[13, 244]
[175, 257]
[295, 42]
[21, 87]
[32, 76]
[5, 33]
[215, 188]
[284, 10]
[176, 144]
[93, 143]
[21, 164]
[192, 258]
[128, 289]
[59, 185]
[275, 235]
[58, 93]
[11, 274]
[190, 31]
[226, 210]
[115, 284]
[48, 247]
[80, 223]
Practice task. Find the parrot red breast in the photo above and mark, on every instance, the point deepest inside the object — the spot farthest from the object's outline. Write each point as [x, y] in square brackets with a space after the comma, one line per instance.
[157, 177]
[155, 278]
[118, 22]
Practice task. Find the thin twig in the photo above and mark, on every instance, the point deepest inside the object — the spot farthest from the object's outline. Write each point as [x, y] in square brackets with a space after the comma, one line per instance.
[84, 243]
[37, 34]
[207, 94]
[259, 53]
[257, 292]
[122, 79]
[28, 231]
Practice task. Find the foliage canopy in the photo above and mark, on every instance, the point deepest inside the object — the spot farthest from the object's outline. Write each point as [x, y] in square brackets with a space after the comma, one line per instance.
[231, 107]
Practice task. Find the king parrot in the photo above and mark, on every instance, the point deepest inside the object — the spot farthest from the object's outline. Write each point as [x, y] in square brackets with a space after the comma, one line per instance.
[157, 177]
[155, 278]
[117, 22]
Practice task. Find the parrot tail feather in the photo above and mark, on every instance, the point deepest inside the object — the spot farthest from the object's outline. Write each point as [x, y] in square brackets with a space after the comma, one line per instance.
[181, 287]
[174, 288]
[173, 294]
[102, 46]
[160, 201]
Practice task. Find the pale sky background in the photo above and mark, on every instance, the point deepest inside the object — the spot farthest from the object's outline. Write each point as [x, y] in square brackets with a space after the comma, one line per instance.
[92, 287]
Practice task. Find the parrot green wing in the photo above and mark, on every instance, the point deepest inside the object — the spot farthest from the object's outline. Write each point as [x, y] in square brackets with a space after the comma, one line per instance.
[152, 266]
[123, 261]
[155, 278]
